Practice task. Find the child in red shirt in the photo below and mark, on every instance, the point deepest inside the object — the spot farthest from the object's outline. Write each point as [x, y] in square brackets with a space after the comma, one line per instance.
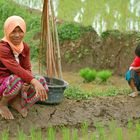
[133, 74]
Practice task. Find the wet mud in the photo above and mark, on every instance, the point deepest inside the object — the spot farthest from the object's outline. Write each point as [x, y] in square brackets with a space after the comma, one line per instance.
[72, 113]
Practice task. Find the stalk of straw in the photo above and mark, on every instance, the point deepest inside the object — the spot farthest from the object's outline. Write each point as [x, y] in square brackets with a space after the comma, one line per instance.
[49, 43]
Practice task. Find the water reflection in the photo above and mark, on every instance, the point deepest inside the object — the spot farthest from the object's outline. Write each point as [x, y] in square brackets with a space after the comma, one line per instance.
[124, 19]
[36, 4]
[102, 15]
[79, 16]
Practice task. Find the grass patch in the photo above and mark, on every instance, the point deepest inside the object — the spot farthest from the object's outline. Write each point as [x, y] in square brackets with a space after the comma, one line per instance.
[72, 31]
[77, 92]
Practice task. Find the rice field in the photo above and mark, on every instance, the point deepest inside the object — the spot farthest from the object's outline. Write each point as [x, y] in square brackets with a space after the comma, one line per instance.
[101, 14]
[112, 132]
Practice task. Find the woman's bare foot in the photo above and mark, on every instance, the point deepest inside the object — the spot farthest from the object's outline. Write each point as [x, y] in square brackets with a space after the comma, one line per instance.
[16, 104]
[5, 112]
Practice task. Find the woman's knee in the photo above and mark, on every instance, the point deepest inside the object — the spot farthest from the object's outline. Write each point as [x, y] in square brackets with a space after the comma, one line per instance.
[15, 85]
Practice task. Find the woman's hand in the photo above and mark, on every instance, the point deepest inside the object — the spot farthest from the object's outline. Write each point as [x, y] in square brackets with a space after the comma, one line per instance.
[40, 90]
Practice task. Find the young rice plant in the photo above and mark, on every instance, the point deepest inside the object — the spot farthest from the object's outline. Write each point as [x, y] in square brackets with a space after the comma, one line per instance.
[104, 75]
[88, 74]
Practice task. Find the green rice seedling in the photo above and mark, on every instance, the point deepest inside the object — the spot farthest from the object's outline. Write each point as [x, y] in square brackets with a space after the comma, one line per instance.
[100, 130]
[130, 124]
[119, 133]
[104, 75]
[93, 136]
[75, 134]
[88, 74]
[112, 126]
[65, 133]
[21, 135]
[51, 133]
[32, 133]
[130, 127]
[134, 136]
[138, 129]
[39, 135]
[5, 134]
[85, 130]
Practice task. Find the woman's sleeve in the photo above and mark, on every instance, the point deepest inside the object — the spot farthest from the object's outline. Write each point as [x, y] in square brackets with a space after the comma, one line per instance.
[26, 64]
[7, 58]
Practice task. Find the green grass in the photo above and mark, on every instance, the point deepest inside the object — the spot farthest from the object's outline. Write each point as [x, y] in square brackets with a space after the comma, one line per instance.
[32, 19]
[77, 92]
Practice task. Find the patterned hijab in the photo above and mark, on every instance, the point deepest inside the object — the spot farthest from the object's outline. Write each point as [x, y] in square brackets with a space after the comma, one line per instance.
[10, 24]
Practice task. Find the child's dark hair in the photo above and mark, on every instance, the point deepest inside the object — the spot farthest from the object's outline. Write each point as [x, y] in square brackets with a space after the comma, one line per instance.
[137, 50]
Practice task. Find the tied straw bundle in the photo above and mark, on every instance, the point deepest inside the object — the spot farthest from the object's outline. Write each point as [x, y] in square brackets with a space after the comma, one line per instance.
[49, 51]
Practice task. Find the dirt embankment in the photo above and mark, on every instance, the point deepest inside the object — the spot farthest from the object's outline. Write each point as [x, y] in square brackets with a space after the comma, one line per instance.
[73, 113]
[113, 51]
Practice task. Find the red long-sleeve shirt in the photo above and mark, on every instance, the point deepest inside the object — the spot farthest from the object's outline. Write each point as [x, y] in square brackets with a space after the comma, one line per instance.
[9, 65]
[136, 62]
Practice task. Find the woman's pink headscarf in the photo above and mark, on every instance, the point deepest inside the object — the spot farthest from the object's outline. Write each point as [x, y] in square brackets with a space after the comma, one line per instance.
[10, 24]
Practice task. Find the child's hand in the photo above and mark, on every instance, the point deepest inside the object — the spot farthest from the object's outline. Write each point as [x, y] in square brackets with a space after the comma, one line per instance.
[135, 68]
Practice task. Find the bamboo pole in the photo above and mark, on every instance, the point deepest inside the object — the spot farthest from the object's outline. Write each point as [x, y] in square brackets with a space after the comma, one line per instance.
[43, 39]
[57, 43]
[49, 48]
[49, 57]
